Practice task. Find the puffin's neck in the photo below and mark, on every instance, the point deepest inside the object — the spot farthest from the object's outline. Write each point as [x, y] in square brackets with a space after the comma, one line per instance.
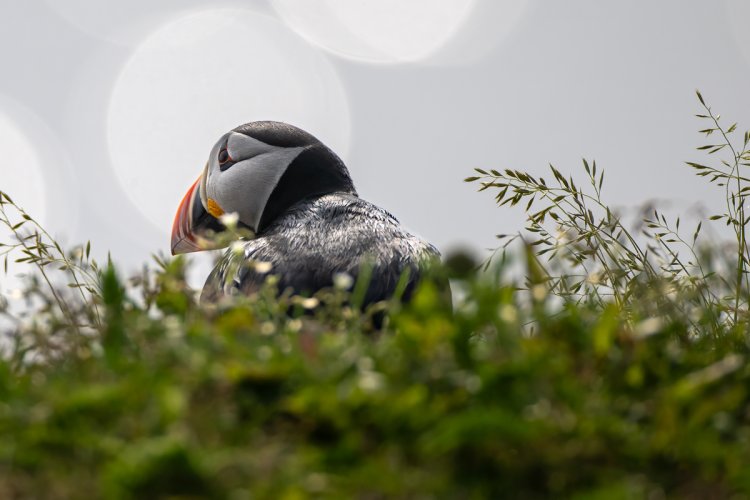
[317, 171]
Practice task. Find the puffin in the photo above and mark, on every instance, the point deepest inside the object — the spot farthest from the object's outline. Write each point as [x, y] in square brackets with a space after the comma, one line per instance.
[294, 200]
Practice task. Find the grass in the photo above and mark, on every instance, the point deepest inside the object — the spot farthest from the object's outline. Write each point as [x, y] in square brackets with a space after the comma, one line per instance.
[616, 368]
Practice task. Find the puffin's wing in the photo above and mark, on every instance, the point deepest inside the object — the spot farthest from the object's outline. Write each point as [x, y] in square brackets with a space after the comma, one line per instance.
[408, 260]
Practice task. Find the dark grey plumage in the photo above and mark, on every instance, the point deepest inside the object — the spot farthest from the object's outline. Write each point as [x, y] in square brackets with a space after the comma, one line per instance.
[316, 239]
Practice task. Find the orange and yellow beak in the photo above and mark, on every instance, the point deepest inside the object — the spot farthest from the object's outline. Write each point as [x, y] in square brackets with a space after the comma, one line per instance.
[183, 237]
[193, 224]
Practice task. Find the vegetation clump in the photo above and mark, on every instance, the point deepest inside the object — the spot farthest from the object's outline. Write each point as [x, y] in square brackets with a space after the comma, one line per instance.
[615, 368]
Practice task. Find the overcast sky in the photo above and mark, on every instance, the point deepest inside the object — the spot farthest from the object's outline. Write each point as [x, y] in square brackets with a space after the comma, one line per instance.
[108, 109]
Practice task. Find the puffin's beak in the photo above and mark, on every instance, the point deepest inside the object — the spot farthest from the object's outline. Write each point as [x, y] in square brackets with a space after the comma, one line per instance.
[192, 223]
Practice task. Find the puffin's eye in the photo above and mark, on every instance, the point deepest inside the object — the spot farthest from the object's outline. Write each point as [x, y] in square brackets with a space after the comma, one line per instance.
[224, 156]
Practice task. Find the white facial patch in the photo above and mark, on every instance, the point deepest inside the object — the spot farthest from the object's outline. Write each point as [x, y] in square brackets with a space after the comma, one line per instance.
[246, 186]
[212, 165]
[202, 186]
[240, 146]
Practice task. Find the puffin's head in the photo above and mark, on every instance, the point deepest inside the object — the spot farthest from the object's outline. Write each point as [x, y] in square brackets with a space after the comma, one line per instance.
[258, 170]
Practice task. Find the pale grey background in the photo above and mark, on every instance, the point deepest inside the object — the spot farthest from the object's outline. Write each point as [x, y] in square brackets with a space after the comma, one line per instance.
[550, 81]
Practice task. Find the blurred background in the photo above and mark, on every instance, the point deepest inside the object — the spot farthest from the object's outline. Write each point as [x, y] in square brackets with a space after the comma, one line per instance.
[108, 109]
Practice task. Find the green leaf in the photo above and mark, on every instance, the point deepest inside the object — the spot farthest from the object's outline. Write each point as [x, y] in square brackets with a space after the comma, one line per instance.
[700, 97]
[696, 166]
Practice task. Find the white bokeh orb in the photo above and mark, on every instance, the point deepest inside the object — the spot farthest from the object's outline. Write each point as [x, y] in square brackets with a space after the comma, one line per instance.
[489, 23]
[201, 75]
[21, 177]
[376, 31]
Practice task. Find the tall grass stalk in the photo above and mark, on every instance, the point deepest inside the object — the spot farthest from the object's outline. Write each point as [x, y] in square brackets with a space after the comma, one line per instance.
[31, 244]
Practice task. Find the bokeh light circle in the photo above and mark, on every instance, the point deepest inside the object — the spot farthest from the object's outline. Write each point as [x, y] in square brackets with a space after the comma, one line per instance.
[21, 177]
[201, 75]
[489, 23]
[376, 31]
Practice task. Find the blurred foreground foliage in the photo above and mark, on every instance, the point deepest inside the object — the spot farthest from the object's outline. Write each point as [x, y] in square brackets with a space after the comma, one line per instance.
[597, 365]
[244, 401]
